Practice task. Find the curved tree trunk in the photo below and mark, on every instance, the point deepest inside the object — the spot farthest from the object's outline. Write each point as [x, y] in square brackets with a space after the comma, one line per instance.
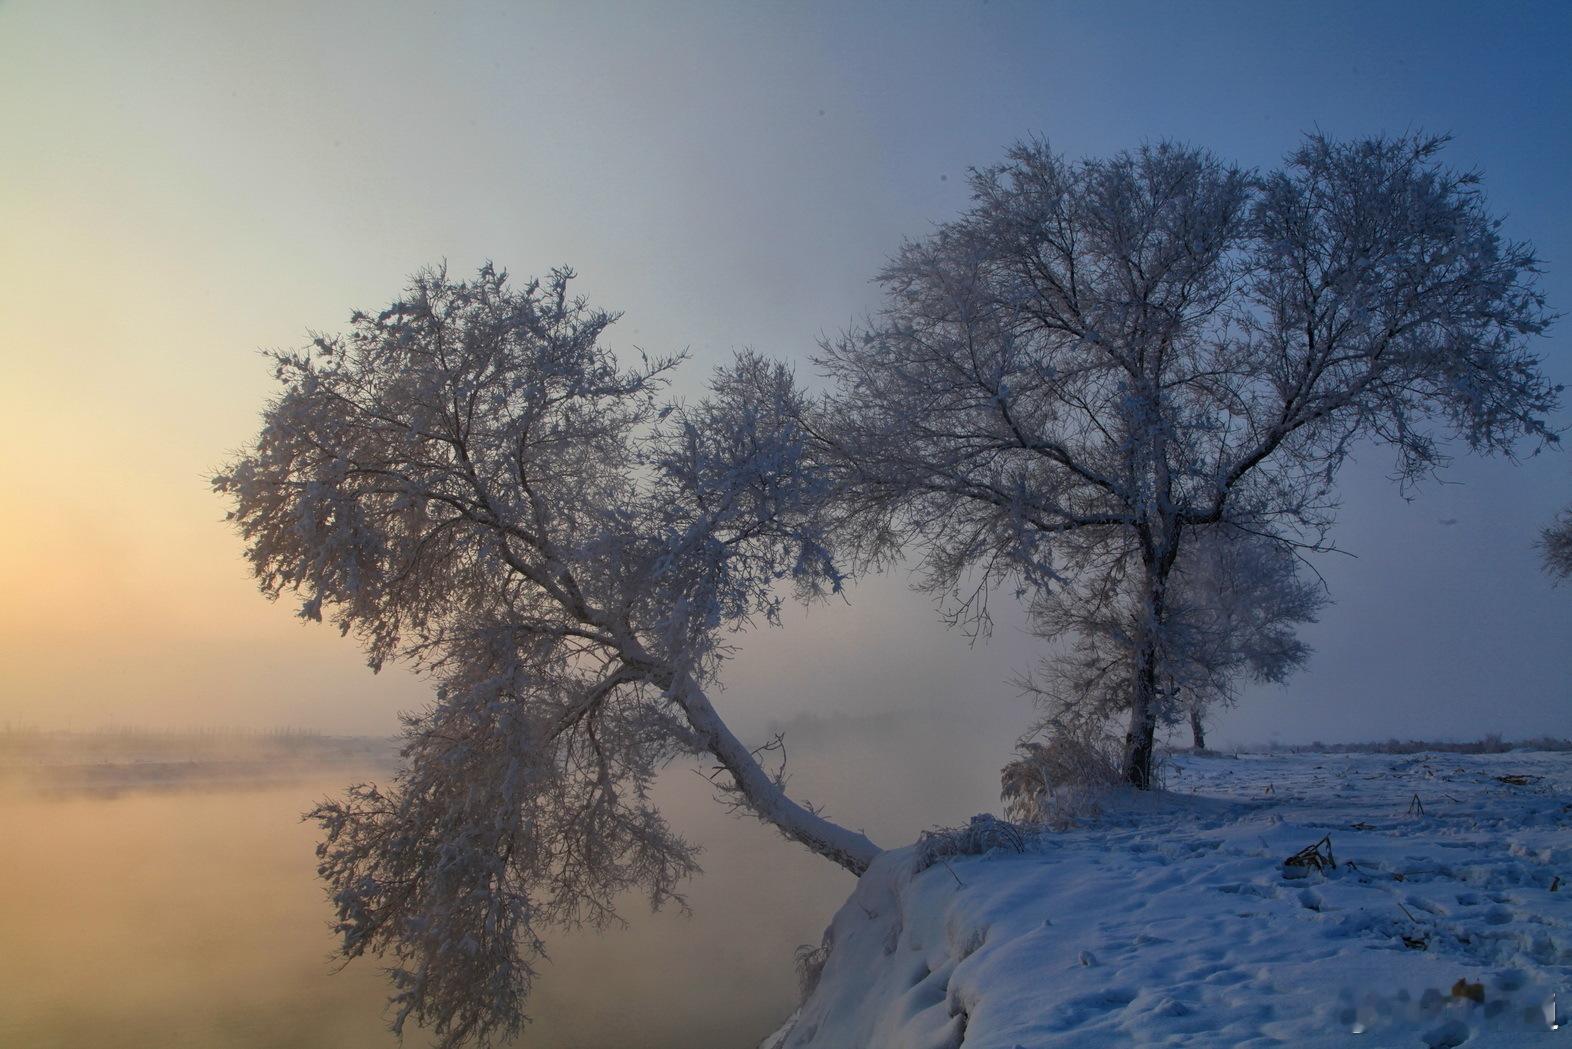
[763, 795]
[1197, 730]
[758, 791]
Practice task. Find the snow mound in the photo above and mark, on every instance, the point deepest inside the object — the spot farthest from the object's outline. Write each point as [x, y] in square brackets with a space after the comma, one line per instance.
[1437, 913]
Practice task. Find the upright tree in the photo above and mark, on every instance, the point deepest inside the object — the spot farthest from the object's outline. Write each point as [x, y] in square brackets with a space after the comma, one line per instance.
[471, 483]
[1235, 603]
[1102, 359]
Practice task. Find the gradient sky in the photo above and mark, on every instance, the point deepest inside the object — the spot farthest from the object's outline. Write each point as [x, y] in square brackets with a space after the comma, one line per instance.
[183, 184]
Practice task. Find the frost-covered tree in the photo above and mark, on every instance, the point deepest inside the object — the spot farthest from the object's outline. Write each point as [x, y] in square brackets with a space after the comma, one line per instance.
[1101, 359]
[470, 483]
[1235, 601]
[1555, 546]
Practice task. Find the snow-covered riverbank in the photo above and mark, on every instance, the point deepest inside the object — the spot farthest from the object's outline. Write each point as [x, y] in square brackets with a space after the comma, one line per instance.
[1438, 913]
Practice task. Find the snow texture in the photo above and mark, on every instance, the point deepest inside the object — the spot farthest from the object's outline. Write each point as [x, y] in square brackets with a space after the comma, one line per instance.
[1175, 921]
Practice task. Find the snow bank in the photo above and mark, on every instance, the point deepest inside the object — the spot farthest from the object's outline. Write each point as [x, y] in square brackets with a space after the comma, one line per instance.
[1174, 920]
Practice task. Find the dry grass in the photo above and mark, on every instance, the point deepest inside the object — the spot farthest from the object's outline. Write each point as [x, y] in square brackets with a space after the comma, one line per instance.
[1059, 779]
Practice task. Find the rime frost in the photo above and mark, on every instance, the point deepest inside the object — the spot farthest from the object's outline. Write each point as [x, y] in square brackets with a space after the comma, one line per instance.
[1105, 362]
[469, 482]
[1555, 545]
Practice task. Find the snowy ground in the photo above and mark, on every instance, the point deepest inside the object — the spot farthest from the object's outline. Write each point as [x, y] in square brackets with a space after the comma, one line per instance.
[1173, 920]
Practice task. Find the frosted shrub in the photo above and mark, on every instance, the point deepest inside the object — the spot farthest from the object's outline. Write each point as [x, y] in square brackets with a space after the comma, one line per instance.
[1555, 546]
[983, 833]
[810, 964]
[1060, 777]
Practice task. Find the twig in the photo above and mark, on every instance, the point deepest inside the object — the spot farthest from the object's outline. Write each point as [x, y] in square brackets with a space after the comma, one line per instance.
[951, 869]
[1314, 856]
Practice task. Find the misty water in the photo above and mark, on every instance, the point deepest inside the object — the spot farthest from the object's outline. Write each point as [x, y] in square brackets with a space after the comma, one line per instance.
[190, 915]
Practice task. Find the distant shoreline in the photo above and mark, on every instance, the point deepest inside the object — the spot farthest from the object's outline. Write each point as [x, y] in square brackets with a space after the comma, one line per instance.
[111, 762]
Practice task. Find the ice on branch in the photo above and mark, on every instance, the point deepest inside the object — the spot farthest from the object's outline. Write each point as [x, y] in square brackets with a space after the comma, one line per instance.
[1104, 362]
[472, 484]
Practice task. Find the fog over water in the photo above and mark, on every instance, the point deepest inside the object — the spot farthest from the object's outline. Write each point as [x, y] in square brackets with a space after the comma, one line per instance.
[190, 918]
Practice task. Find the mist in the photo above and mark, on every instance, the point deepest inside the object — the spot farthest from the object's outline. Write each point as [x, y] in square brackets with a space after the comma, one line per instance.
[188, 914]
[187, 184]
[190, 184]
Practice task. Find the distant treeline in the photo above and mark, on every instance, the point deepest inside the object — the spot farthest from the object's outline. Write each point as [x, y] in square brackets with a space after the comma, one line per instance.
[198, 732]
[1491, 744]
[32, 746]
[112, 761]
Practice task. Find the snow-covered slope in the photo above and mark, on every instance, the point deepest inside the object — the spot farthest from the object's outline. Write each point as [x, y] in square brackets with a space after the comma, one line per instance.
[1173, 920]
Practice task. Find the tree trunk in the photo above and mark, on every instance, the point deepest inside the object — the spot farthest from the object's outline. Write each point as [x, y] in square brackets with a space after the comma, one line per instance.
[1197, 731]
[758, 791]
[761, 793]
[1140, 739]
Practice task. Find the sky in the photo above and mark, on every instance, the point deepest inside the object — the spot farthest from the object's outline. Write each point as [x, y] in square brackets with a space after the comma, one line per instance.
[183, 185]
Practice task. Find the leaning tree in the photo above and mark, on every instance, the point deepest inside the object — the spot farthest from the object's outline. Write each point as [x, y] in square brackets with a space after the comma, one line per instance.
[1102, 359]
[470, 483]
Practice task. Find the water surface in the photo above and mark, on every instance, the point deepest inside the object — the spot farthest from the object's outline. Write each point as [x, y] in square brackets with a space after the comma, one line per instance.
[186, 913]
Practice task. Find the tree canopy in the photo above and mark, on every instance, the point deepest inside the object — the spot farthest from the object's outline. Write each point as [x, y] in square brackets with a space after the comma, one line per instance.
[471, 483]
[1123, 386]
[1103, 359]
